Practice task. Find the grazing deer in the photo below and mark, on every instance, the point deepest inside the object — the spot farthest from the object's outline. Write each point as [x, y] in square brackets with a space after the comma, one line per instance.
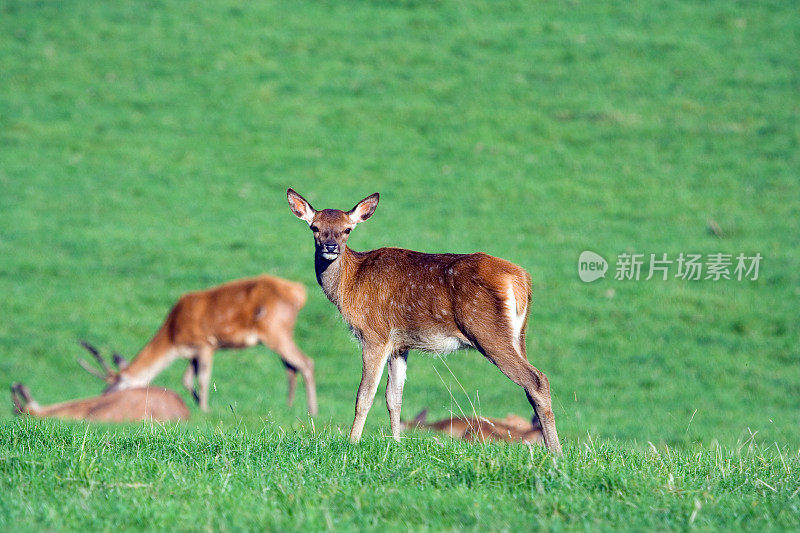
[237, 314]
[395, 300]
[512, 428]
[150, 403]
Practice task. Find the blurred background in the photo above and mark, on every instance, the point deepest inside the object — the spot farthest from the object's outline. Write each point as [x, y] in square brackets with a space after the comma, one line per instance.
[146, 147]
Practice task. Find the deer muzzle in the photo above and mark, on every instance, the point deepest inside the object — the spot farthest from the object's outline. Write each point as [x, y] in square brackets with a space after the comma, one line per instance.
[330, 250]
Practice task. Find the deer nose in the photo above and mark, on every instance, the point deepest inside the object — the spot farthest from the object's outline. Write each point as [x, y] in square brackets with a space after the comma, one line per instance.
[330, 247]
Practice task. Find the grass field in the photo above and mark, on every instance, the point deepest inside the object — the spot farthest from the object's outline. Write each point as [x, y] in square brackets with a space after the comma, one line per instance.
[145, 150]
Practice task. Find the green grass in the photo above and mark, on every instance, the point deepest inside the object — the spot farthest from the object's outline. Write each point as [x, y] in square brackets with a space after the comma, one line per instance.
[145, 150]
[314, 480]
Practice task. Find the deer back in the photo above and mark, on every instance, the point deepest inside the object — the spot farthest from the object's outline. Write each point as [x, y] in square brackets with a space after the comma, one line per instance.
[149, 403]
[423, 301]
[512, 429]
[236, 314]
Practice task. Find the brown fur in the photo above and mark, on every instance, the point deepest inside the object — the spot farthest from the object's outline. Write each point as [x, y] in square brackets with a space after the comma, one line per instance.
[396, 300]
[419, 292]
[150, 403]
[234, 315]
[512, 428]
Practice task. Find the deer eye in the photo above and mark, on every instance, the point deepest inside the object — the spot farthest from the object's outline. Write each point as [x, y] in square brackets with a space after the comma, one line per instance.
[347, 230]
[314, 229]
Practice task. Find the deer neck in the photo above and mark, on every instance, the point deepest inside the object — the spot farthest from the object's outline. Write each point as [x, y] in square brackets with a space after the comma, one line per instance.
[332, 275]
[154, 357]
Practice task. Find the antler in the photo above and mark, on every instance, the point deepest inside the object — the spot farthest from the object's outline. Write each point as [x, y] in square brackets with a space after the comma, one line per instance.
[86, 366]
[90, 369]
[120, 361]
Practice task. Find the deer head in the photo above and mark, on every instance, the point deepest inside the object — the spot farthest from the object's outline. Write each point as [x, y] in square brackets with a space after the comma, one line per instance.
[331, 227]
[109, 375]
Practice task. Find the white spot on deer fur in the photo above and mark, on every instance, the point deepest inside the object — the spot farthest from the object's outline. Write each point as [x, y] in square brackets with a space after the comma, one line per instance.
[517, 320]
[251, 339]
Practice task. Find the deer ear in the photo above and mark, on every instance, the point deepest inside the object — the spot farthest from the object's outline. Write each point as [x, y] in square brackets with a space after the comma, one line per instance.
[300, 207]
[18, 407]
[364, 209]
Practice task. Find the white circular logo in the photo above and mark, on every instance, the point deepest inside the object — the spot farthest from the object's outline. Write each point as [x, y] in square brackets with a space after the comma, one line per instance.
[591, 266]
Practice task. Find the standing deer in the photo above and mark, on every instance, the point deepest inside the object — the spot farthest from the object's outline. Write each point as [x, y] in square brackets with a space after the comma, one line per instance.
[237, 314]
[150, 403]
[395, 300]
[512, 428]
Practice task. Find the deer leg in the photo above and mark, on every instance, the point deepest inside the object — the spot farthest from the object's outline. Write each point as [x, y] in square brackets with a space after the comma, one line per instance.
[291, 378]
[295, 360]
[538, 391]
[188, 378]
[394, 390]
[374, 359]
[509, 356]
[204, 359]
[537, 388]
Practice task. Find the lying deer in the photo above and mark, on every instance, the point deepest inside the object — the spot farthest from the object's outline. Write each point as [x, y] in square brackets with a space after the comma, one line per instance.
[395, 300]
[237, 314]
[150, 403]
[512, 428]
